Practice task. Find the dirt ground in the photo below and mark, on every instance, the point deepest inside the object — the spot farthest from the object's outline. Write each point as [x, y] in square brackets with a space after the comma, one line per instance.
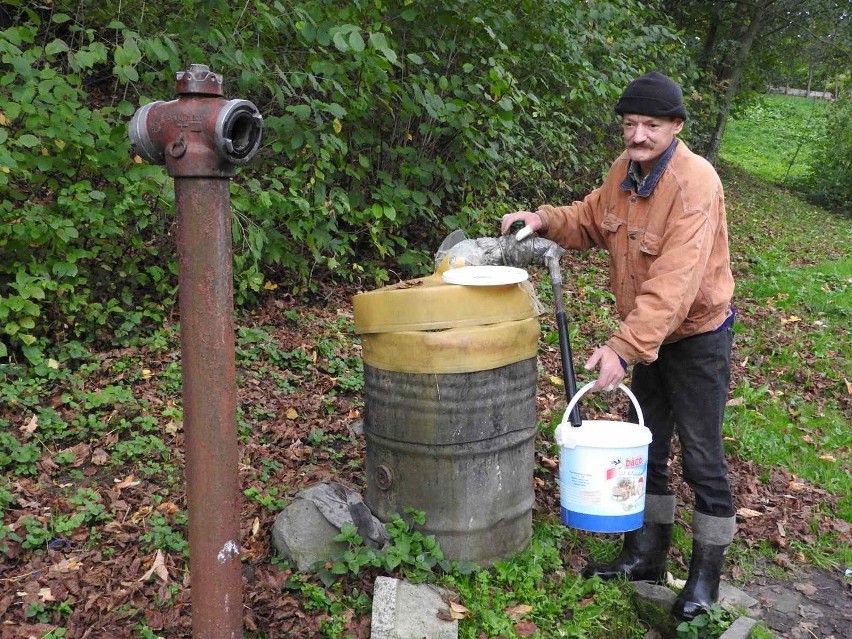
[815, 604]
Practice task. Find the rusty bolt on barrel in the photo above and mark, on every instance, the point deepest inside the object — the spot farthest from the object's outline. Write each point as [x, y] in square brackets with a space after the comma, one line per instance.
[201, 138]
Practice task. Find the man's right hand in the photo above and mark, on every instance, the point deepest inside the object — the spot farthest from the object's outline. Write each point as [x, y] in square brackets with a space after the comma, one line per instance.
[530, 219]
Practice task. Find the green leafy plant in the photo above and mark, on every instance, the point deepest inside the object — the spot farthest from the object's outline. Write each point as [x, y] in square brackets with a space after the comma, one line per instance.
[707, 626]
[409, 551]
[161, 535]
[18, 457]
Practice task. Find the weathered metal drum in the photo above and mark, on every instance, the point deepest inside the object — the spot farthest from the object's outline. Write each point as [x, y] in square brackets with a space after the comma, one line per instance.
[449, 419]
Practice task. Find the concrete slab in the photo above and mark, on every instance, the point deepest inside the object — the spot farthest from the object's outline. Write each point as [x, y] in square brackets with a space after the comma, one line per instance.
[402, 610]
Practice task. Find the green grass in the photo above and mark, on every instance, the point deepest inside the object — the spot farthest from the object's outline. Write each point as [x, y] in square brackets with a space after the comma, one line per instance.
[770, 138]
[793, 291]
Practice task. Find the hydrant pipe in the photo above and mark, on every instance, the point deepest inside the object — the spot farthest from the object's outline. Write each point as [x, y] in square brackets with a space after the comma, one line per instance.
[209, 406]
[200, 137]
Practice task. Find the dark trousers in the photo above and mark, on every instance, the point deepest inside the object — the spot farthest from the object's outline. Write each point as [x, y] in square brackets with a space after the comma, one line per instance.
[685, 391]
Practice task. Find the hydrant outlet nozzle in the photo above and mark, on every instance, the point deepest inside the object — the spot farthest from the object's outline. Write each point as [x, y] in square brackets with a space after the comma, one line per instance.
[141, 141]
[238, 130]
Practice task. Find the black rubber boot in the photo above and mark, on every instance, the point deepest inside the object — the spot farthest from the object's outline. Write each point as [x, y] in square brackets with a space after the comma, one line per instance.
[643, 555]
[702, 586]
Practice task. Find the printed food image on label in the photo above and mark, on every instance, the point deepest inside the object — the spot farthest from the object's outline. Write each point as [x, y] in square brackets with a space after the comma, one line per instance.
[626, 479]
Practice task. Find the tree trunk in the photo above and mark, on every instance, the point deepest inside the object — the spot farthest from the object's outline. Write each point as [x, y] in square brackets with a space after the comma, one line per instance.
[710, 42]
[731, 76]
[810, 79]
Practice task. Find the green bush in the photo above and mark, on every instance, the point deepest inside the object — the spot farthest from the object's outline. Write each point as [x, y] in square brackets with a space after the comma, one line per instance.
[387, 124]
[80, 231]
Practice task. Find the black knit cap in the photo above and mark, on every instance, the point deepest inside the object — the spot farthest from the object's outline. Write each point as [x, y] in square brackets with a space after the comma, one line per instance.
[652, 94]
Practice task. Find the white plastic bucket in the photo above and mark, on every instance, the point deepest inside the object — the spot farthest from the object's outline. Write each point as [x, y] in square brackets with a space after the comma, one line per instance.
[603, 468]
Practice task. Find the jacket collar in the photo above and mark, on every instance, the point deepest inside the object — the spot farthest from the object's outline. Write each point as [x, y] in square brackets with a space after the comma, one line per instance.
[646, 186]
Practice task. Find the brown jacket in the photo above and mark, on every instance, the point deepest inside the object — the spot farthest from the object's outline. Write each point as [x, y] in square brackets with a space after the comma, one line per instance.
[669, 263]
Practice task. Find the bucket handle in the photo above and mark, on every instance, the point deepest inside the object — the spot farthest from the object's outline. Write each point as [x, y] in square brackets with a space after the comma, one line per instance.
[585, 388]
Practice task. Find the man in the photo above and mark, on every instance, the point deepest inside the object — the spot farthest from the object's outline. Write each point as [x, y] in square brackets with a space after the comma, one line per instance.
[660, 214]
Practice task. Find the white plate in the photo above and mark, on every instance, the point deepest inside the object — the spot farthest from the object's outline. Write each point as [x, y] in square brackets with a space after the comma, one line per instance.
[485, 275]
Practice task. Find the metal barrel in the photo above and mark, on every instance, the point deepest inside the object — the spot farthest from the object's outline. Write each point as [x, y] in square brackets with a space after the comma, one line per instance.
[449, 411]
[458, 447]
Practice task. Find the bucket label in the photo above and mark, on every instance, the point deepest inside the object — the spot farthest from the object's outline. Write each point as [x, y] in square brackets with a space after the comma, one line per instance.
[606, 482]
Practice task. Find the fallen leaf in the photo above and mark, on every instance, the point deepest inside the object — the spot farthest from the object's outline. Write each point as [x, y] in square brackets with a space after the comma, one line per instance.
[791, 319]
[140, 515]
[828, 458]
[127, 482]
[269, 286]
[516, 612]
[255, 526]
[167, 508]
[31, 426]
[172, 428]
[457, 611]
[100, 457]
[158, 568]
[80, 452]
[848, 386]
[748, 513]
[556, 381]
[291, 413]
[443, 615]
[146, 373]
[806, 589]
[736, 401]
[550, 463]
[65, 566]
[45, 595]
[52, 363]
[675, 583]
[783, 560]
[525, 628]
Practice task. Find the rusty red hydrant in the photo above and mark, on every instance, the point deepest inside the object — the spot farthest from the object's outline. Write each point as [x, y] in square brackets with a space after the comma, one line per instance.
[201, 137]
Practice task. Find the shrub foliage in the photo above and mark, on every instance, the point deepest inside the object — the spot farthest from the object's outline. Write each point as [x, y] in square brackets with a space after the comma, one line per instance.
[387, 124]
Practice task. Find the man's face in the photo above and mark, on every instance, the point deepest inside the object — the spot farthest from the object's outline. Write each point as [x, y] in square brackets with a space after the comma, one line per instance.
[646, 137]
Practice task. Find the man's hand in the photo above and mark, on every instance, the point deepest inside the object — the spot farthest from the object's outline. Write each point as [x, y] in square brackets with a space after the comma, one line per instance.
[529, 219]
[611, 370]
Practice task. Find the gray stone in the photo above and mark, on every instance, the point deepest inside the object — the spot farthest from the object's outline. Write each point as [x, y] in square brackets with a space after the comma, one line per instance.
[304, 536]
[402, 610]
[732, 596]
[740, 629]
[655, 594]
[653, 605]
[304, 531]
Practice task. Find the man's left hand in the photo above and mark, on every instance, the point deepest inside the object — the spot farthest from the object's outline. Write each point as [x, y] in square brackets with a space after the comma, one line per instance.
[611, 370]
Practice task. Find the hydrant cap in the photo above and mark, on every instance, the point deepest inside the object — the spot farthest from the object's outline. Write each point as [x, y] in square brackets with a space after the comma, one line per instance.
[199, 79]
